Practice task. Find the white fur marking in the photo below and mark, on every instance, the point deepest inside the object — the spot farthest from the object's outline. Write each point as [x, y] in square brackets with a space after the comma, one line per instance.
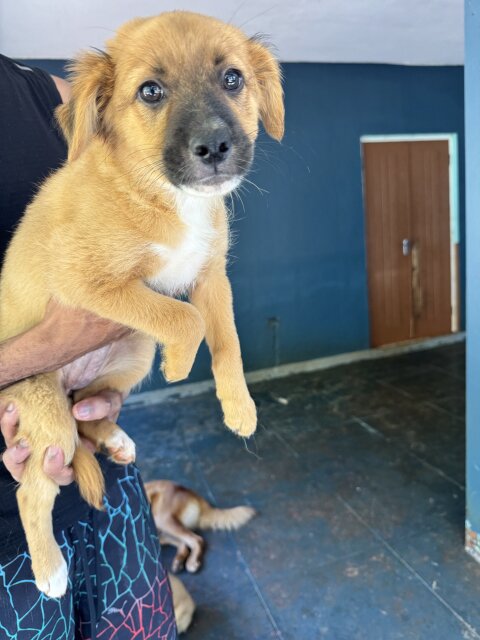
[121, 447]
[191, 515]
[57, 583]
[207, 191]
[184, 262]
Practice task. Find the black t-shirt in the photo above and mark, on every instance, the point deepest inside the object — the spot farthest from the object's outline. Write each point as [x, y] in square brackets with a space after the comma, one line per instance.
[30, 149]
[30, 144]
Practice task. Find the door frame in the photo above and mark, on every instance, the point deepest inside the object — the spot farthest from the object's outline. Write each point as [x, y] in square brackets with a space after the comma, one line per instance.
[452, 139]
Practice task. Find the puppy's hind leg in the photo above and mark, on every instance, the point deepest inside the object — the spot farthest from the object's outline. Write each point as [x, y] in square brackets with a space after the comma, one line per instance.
[36, 497]
[178, 563]
[105, 434]
[182, 551]
[187, 540]
[129, 362]
[46, 420]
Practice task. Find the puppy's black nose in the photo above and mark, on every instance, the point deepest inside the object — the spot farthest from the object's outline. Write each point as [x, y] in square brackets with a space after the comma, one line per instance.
[212, 147]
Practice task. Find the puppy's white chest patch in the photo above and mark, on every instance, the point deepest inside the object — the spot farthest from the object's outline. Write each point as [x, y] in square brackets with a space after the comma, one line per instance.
[184, 262]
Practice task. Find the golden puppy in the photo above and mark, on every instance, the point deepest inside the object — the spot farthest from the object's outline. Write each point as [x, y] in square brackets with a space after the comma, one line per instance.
[177, 510]
[160, 128]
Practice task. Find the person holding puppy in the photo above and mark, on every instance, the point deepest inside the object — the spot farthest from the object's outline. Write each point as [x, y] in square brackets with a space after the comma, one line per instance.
[117, 585]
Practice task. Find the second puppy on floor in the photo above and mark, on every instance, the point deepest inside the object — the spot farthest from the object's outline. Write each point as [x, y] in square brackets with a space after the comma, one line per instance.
[177, 511]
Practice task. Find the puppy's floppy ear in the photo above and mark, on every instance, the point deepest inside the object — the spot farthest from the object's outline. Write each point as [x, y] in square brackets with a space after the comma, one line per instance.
[92, 78]
[269, 78]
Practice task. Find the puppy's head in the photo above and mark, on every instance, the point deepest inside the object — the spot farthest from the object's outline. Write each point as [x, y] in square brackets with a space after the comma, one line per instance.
[177, 98]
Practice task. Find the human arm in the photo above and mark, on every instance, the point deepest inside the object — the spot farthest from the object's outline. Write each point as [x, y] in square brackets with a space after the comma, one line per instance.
[64, 88]
[62, 336]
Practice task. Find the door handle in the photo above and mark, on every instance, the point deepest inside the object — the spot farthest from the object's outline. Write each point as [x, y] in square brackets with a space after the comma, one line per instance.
[417, 290]
[406, 247]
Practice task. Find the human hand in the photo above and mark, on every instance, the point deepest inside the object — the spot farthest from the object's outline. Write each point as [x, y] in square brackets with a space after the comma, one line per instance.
[106, 404]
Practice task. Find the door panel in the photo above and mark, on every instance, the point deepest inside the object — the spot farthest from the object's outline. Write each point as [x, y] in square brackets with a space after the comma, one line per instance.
[430, 198]
[387, 197]
[406, 188]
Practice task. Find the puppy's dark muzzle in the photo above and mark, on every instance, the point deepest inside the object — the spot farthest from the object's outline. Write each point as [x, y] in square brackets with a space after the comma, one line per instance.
[211, 148]
[206, 145]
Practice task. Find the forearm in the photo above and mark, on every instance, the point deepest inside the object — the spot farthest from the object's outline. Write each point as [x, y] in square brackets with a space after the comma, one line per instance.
[26, 355]
[63, 336]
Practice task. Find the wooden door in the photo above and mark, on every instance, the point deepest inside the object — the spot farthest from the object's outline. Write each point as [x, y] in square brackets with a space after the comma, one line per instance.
[406, 188]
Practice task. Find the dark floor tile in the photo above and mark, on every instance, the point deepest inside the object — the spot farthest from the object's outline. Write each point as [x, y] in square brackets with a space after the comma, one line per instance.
[228, 606]
[390, 368]
[363, 398]
[371, 596]
[393, 492]
[454, 404]
[431, 386]
[450, 359]
[298, 526]
[428, 432]
[440, 559]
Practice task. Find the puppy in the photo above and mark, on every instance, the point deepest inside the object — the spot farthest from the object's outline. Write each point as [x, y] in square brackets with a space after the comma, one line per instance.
[160, 128]
[177, 510]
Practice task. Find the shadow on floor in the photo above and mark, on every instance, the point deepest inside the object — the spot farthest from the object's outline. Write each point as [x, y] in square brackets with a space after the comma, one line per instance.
[357, 474]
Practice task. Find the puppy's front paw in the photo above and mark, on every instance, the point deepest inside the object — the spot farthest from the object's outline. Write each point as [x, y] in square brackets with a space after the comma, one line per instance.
[193, 564]
[178, 357]
[240, 415]
[120, 447]
[52, 578]
[177, 362]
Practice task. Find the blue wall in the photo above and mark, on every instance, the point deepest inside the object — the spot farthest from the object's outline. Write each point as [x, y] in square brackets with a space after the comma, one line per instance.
[472, 120]
[300, 250]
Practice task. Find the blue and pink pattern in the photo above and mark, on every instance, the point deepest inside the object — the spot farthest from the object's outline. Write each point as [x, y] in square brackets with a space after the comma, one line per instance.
[118, 589]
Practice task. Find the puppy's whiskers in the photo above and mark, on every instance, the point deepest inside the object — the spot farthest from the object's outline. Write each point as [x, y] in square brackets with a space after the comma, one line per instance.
[253, 453]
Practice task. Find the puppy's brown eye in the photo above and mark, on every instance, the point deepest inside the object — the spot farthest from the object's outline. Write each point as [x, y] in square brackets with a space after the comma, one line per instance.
[151, 92]
[232, 80]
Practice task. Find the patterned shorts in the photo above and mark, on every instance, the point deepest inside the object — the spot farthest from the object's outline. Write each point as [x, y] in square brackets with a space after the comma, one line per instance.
[118, 589]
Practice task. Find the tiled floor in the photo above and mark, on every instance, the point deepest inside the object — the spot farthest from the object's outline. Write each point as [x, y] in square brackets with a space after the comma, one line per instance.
[358, 477]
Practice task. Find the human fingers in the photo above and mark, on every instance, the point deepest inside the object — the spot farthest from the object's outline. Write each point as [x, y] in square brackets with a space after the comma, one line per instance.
[105, 404]
[14, 459]
[8, 422]
[55, 467]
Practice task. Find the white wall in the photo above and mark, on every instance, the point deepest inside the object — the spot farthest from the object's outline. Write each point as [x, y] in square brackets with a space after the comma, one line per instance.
[394, 31]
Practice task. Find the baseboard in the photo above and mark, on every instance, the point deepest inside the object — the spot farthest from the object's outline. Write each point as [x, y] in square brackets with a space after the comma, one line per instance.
[146, 398]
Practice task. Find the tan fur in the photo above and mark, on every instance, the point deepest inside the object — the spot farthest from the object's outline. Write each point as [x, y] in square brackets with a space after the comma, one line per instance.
[183, 604]
[88, 238]
[177, 511]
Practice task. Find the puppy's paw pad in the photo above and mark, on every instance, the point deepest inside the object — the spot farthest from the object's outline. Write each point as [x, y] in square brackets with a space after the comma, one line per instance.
[55, 584]
[121, 447]
[241, 417]
[174, 373]
[192, 565]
